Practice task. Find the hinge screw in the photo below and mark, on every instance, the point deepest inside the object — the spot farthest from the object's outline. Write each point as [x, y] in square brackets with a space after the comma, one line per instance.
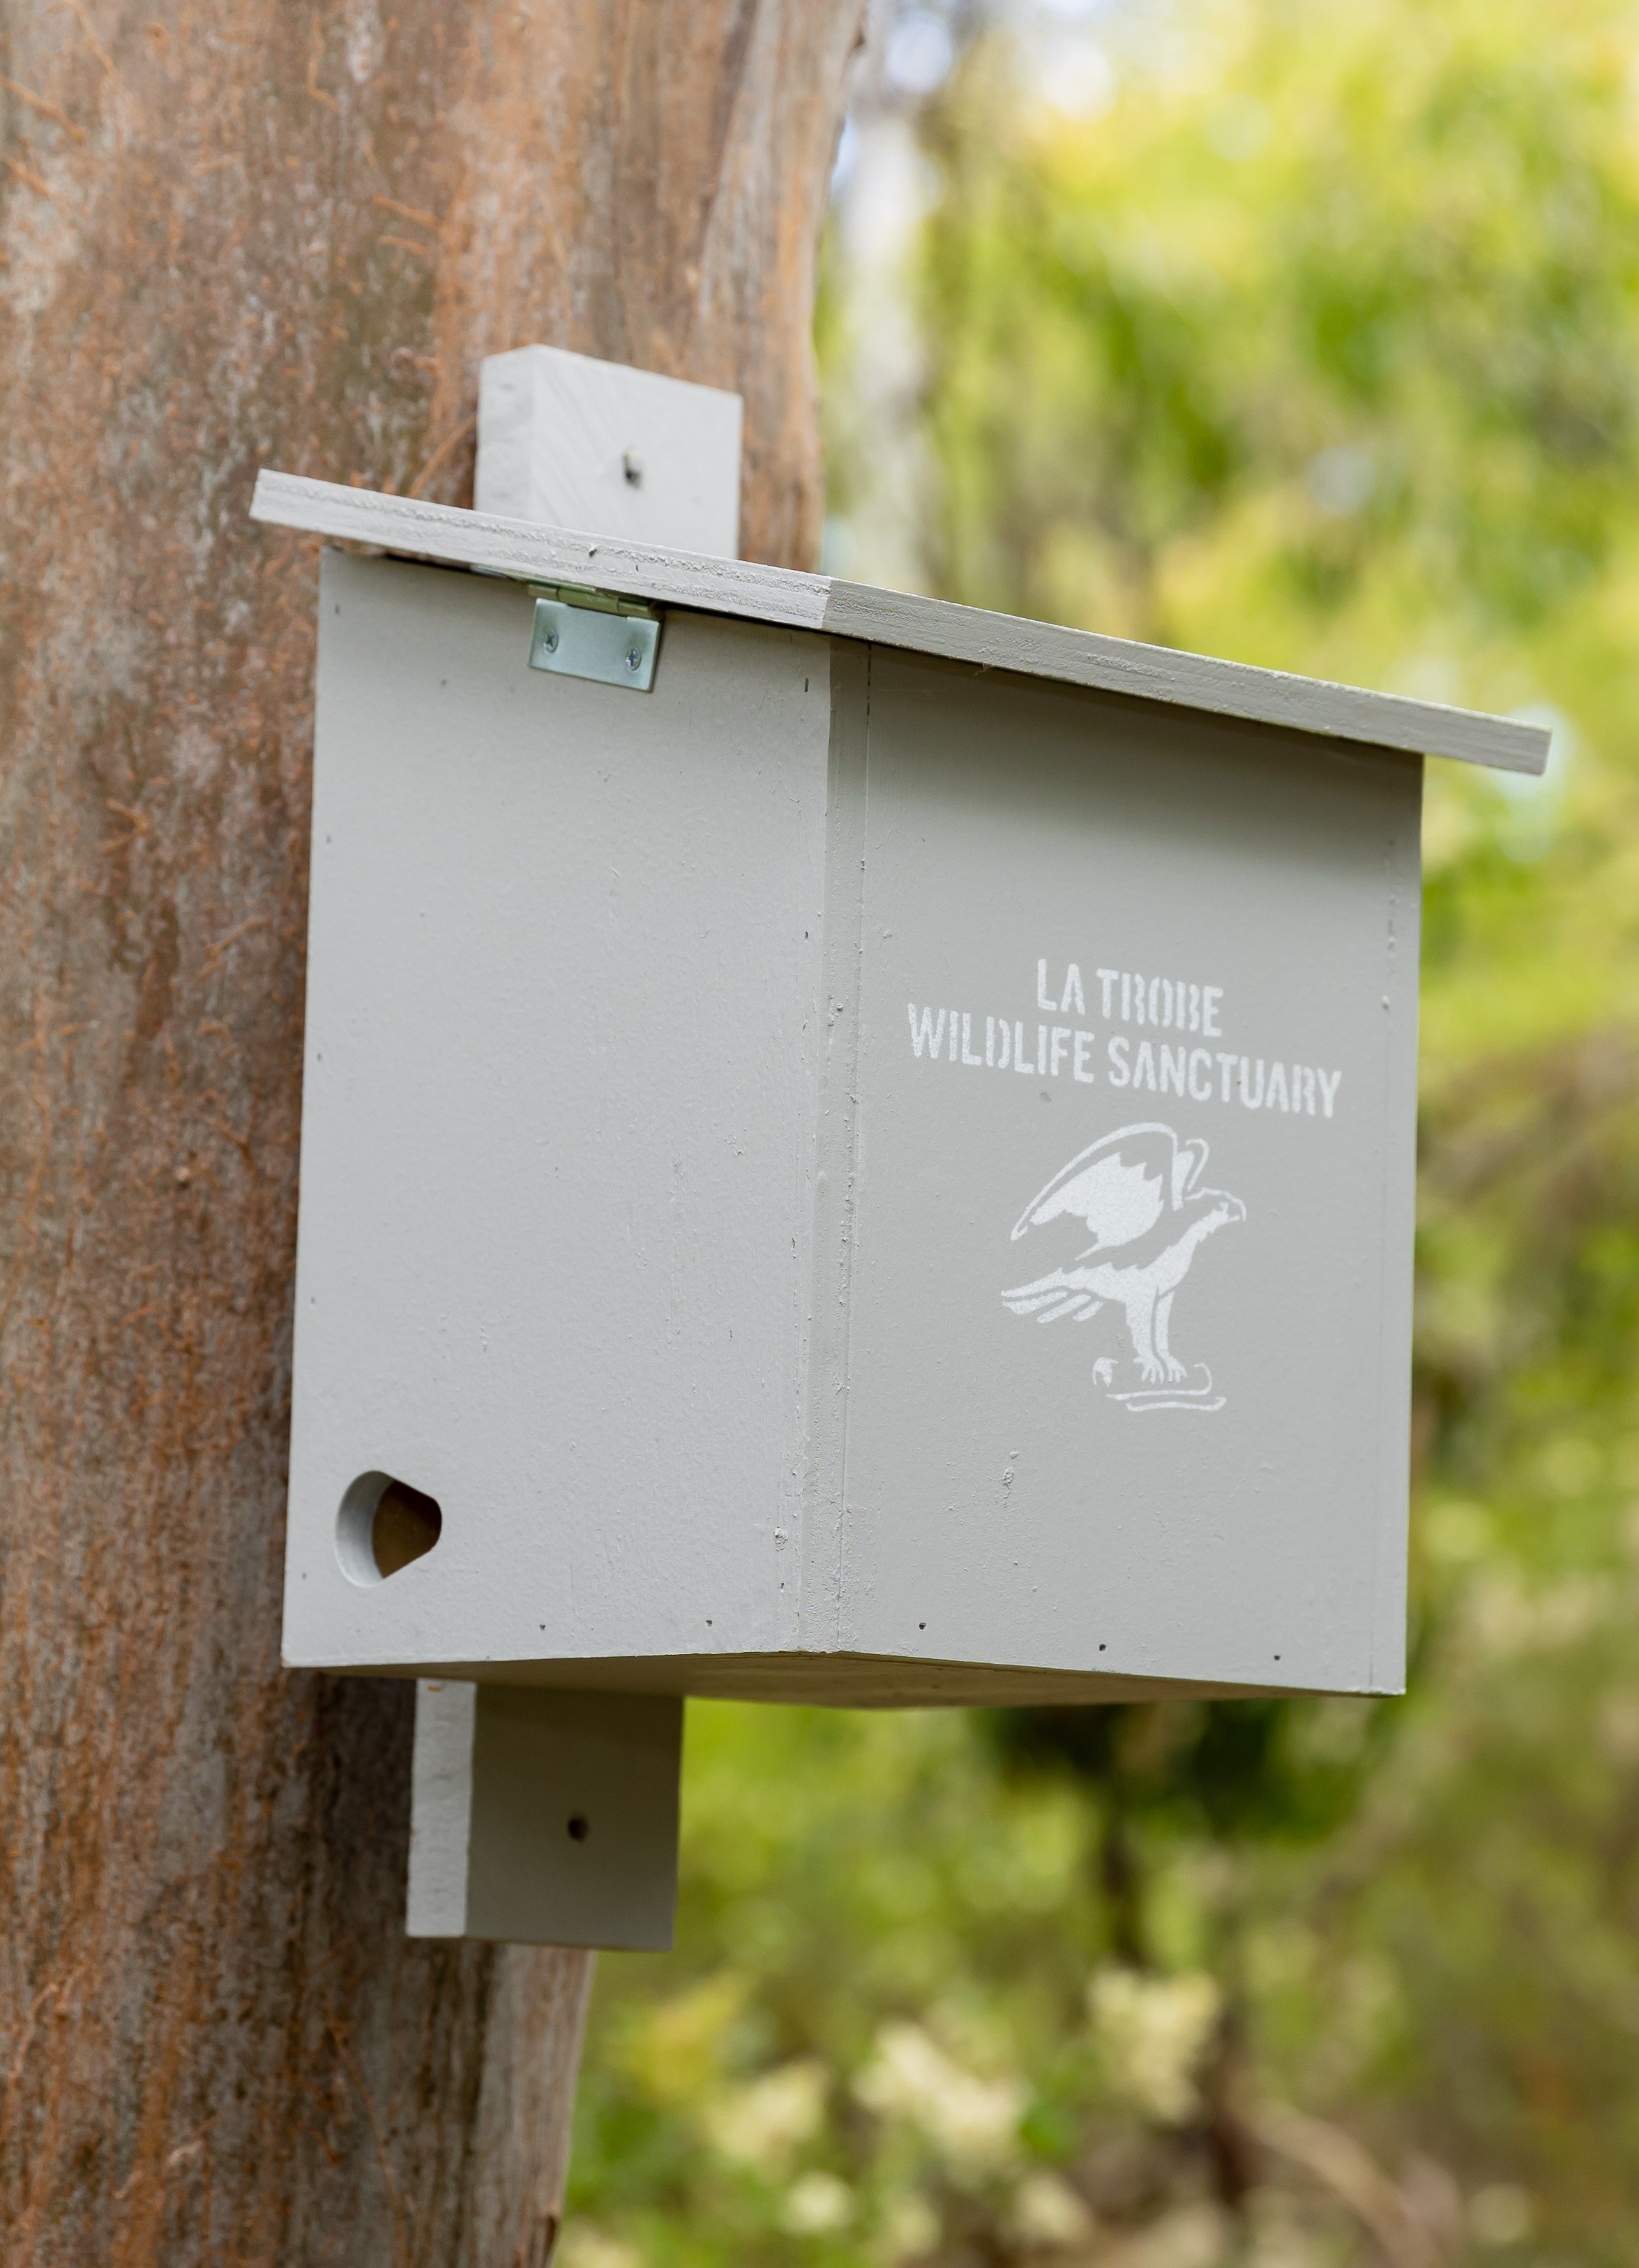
[634, 659]
[550, 641]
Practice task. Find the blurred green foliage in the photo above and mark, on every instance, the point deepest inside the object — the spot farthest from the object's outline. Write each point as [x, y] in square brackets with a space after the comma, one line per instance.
[1320, 348]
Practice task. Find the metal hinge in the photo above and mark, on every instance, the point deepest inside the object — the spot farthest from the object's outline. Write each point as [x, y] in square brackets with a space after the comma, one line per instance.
[585, 633]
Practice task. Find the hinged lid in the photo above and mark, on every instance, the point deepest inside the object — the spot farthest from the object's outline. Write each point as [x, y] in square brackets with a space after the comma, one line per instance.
[531, 554]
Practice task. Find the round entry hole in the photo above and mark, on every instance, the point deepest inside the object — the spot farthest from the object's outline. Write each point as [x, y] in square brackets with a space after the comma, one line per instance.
[580, 1828]
[385, 1526]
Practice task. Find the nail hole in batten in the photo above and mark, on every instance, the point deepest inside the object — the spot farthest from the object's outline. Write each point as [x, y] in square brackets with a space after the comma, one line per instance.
[385, 1526]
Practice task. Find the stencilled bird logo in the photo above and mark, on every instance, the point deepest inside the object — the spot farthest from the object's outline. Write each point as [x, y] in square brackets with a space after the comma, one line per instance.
[1138, 1192]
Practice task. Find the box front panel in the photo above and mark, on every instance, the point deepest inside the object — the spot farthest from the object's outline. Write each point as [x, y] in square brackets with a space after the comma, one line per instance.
[553, 1259]
[1127, 1359]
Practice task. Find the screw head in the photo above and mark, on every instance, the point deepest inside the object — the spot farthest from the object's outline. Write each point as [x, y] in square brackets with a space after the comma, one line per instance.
[550, 641]
[634, 659]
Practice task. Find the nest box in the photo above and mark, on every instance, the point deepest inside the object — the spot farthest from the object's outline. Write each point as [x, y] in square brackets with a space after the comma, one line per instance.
[853, 1150]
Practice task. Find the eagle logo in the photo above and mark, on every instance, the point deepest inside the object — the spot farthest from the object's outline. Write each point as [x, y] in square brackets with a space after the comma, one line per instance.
[1138, 1193]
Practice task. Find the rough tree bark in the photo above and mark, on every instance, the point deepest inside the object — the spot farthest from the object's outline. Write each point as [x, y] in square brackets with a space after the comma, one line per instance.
[238, 232]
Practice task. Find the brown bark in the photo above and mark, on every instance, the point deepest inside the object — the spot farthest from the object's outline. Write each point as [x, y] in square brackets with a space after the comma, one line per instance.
[238, 232]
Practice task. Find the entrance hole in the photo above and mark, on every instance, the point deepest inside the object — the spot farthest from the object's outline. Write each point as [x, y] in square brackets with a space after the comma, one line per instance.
[385, 1526]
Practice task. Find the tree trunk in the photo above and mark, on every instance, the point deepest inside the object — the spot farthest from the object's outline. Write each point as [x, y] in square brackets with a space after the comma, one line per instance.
[239, 232]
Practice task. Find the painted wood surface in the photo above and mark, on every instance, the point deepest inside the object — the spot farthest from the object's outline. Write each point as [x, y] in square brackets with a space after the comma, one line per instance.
[545, 1817]
[569, 441]
[603, 987]
[246, 234]
[728, 1030]
[903, 619]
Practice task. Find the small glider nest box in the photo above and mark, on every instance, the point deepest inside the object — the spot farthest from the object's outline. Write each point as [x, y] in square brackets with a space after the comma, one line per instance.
[853, 1150]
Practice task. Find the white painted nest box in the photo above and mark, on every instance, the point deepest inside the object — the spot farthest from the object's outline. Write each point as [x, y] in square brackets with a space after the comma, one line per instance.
[853, 1150]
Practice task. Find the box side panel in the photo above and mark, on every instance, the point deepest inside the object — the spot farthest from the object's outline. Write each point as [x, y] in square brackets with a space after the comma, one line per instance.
[553, 1256]
[1127, 1384]
[1402, 858]
[834, 1179]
